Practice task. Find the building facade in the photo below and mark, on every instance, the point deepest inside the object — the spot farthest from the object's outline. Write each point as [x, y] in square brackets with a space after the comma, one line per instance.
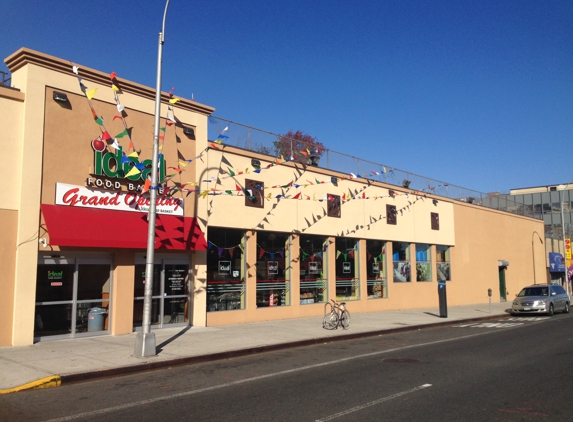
[240, 236]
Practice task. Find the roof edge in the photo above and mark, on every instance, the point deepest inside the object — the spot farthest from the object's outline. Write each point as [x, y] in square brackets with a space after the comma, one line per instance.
[25, 56]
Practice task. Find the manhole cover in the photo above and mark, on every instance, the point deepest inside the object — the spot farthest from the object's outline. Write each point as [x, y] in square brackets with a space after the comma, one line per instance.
[400, 360]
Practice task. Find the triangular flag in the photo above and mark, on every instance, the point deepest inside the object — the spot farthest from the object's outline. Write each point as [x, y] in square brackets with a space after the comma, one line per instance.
[90, 94]
[133, 172]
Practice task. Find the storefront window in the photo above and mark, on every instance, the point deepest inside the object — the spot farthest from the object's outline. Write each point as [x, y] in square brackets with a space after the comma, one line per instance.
[313, 283]
[423, 262]
[225, 270]
[443, 262]
[347, 269]
[72, 297]
[401, 261]
[377, 281]
[273, 280]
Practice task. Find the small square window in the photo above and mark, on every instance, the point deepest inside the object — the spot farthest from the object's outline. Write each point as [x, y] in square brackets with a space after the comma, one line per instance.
[254, 193]
[435, 217]
[333, 206]
[391, 214]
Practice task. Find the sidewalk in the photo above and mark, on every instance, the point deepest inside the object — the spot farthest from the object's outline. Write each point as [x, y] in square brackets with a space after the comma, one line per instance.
[50, 363]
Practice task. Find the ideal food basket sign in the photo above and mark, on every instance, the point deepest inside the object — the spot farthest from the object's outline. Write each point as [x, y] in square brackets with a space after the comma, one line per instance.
[80, 196]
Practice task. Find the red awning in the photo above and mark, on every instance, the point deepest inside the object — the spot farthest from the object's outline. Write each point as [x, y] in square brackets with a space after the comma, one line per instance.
[91, 227]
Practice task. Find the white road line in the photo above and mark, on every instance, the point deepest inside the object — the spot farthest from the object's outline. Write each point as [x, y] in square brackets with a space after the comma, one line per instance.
[372, 403]
[275, 374]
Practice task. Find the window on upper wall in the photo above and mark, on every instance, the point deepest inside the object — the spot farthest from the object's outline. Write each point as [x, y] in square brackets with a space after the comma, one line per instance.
[391, 212]
[401, 262]
[443, 262]
[423, 262]
[435, 220]
[333, 205]
[254, 193]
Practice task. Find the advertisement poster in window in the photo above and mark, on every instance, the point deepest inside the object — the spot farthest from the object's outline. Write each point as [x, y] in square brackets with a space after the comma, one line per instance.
[225, 267]
[313, 267]
[346, 268]
[272, 267]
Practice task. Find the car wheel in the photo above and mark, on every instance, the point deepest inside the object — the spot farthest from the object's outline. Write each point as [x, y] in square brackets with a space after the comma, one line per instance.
[566, 309]
[551, 311]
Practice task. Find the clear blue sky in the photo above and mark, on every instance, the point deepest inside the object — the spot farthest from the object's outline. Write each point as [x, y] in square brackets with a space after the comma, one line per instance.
[473, 93]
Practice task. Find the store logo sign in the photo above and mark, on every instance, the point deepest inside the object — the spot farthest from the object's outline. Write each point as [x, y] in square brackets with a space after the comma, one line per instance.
[55, 275]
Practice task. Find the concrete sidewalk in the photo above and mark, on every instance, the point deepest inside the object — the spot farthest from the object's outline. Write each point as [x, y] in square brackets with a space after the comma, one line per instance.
[50, 363]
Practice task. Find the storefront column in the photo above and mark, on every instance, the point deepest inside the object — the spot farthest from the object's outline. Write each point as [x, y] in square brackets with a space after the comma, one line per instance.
[251, 279]
[362, 270]
[294, 269]
[389, 265]
[331, 267]
[122, 293]
[198, 309]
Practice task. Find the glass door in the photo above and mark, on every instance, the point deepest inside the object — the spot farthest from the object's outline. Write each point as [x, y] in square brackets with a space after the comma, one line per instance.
[170, 297]
[72, 297]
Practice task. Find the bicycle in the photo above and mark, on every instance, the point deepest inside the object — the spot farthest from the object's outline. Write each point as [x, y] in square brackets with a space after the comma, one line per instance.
[338, 316]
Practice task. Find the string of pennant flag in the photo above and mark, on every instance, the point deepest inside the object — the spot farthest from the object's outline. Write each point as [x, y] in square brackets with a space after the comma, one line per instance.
[132, 157]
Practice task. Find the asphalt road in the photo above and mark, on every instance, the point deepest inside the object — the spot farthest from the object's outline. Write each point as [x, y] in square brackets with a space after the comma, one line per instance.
[515, 369]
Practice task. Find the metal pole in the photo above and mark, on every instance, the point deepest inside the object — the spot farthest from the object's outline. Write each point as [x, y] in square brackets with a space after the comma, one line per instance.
[145, 345]
[564, 250]
[533, 249]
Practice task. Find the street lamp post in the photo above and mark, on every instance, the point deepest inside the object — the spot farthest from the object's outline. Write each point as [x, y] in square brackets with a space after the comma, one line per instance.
[564, 250]
[533, 249]
[145, 340]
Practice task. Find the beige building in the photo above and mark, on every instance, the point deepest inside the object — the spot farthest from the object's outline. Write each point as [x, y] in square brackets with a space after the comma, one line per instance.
[240, 236]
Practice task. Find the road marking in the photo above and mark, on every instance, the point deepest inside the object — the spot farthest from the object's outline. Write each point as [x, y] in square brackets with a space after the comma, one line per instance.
[519, 321]
[372, 403]
[491, 325]
[257, 378]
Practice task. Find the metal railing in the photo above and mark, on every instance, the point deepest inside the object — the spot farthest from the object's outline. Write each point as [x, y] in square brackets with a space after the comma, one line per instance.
[262, 141]
[6, 78]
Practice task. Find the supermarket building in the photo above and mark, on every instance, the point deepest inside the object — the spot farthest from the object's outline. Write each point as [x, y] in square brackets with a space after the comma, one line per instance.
[240, 237]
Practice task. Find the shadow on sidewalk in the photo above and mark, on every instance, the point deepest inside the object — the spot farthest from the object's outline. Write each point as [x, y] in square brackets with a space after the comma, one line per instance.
[429, 313]
[160, 347]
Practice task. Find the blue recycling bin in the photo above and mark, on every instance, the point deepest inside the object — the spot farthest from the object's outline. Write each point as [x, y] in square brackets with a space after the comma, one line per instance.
[96, 318]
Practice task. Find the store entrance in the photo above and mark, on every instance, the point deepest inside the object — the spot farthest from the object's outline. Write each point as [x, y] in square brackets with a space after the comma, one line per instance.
[170, 297]
[72, 297]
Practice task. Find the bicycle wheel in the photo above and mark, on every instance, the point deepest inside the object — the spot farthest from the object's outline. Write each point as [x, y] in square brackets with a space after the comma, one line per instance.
[345, 319]
[330, 321]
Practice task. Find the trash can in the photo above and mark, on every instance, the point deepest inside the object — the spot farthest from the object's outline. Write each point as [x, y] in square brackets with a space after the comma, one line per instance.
[96, 317]
[443, 299]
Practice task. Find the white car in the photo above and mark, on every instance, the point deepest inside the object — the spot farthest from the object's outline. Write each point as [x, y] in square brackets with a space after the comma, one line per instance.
[541, 299]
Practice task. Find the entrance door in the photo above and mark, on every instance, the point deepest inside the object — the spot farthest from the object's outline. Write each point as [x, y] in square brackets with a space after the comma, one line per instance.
[502, 290]
[72, 297]
[170, 297]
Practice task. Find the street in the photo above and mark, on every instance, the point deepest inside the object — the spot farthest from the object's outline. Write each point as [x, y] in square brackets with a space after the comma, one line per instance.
[514, 369]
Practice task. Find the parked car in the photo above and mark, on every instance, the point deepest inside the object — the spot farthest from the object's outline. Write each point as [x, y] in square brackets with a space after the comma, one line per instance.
[541, 299]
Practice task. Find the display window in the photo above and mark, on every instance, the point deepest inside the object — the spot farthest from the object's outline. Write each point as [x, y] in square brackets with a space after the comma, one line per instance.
[377, 280]
[225, 269]
[347, 269]
[423, 262]
[443, 263]
[401, 262]
[273, 278]
[313, 280]
[72, 297]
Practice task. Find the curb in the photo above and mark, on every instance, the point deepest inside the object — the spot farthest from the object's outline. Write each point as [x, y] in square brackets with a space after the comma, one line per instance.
[57, 380]
[47, 382]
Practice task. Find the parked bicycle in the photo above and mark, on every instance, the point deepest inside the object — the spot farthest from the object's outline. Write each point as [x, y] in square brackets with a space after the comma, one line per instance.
[338, 316]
